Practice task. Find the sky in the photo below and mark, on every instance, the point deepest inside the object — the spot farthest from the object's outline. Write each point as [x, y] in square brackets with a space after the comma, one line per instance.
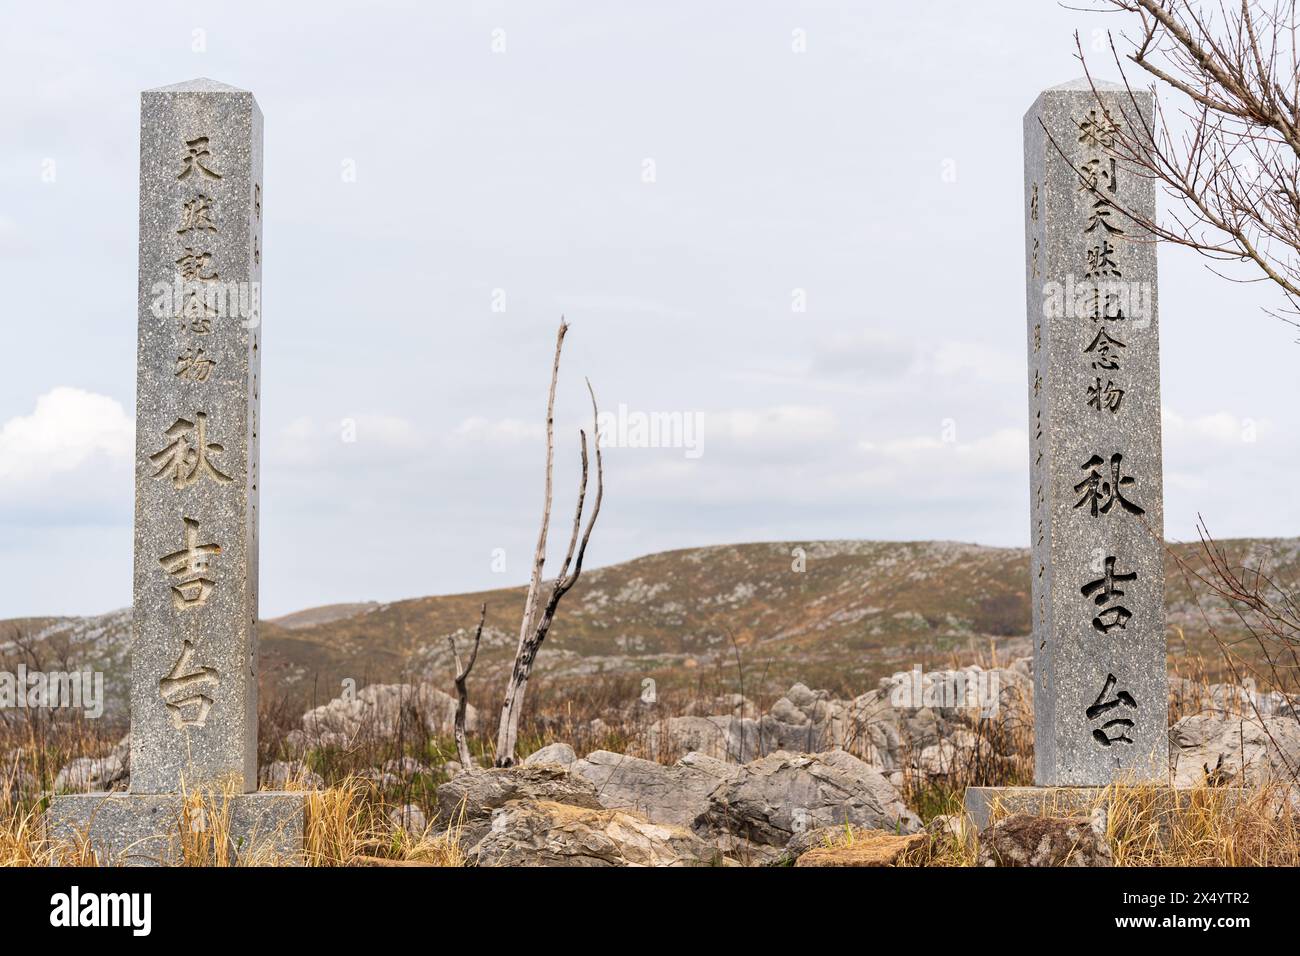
[796, 224]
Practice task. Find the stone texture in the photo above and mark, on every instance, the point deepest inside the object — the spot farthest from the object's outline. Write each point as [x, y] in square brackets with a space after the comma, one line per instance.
[757, 811]
[1026, 840]
[527, 833]
[126, 829]
[676, 794]
[560, 754]
[1215, 750]
[1099, 661]
[468, 800]
[194, 639]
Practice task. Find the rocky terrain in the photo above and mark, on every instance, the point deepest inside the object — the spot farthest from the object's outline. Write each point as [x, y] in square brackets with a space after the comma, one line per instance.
[843, 779]
[699, 618]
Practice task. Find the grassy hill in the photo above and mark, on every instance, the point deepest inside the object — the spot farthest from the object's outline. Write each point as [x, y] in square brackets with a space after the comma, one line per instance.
[857, 611]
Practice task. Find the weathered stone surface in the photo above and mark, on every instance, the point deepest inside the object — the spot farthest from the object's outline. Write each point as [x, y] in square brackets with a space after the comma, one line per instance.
[527, 833]
[859, 848]
[125, 829]
[194, 641]
[758, 810]
[676, 794]
[1234, 751]
[560, 754]
[468, 799]
[1094, 414]
[1026, 840]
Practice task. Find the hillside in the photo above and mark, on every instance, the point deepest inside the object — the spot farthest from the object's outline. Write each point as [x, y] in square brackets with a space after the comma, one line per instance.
[858, 610]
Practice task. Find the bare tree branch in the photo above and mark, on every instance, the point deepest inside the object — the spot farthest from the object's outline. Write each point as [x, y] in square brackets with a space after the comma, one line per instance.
[462, 693]
[1230, 154]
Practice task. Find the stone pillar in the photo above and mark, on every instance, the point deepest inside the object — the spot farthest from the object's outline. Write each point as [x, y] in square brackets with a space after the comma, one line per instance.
[1101, 689]
[194, 633]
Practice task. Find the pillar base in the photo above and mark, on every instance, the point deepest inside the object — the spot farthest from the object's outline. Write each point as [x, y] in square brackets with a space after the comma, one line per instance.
[981, 802]
[145, 829]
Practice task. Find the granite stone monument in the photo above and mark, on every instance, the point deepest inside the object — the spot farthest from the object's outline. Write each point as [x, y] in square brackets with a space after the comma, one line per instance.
[194, 630]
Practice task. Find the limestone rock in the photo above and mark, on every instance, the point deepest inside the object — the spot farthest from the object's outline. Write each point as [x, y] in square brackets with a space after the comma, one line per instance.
[88, 774]
[1219, 749]
[556, 753]
[772, 798]
[467, 800]
[676, 794]
[1026, 840]
[543, 833]
[379, 712]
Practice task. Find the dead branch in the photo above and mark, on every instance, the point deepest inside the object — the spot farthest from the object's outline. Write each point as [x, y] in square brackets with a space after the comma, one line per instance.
[462, 693]
[1230, 154]
[536, 622]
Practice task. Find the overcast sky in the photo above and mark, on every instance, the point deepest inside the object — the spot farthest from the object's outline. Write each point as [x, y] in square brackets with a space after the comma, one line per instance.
[879, 171]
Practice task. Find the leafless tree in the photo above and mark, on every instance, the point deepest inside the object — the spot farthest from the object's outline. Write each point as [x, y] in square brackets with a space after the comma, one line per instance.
[539, 613]
[537, 617]
[462, 692]
[1230, 154]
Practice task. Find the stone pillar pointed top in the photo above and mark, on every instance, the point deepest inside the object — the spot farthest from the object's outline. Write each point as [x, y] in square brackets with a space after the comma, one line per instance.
[200, 84]
[1101, 689]
[198, 365]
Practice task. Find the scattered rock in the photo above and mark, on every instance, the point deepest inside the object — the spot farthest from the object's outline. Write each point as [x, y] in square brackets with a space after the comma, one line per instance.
[1026, 840]
[1222, 750]
[676, 794]
[379, 712]
[543, 833]
[85, 774]
[769, 800]
[556, 753]
[467, 800]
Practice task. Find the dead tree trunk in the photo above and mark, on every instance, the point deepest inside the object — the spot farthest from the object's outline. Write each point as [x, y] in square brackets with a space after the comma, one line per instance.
[462, 693]
[537, 621]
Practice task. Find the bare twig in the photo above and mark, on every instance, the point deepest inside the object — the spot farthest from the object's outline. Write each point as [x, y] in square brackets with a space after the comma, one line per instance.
[1230, 156]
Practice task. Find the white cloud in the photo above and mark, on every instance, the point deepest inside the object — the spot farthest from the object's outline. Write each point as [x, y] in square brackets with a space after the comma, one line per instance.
[775, 427]
[1221, 427]
[69, 428]
[1003, 366]
[501, 431]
